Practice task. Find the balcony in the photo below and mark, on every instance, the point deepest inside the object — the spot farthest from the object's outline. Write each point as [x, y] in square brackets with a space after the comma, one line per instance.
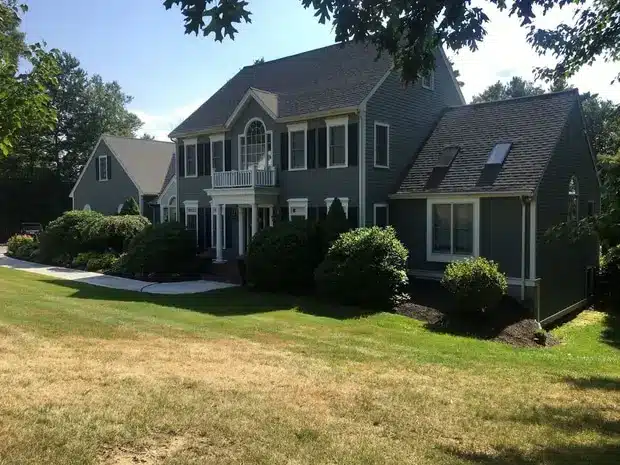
[244, 178]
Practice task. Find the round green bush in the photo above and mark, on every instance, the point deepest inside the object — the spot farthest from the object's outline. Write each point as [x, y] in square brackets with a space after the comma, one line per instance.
[114, 233]
[65, 237]
[283, 257]
[160, 249]
[22, 246]
[366, 267]
[82, 259]
[476, 283]
[101, 262]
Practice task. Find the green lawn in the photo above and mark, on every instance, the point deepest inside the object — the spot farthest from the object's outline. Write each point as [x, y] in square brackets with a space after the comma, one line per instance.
[96, 376]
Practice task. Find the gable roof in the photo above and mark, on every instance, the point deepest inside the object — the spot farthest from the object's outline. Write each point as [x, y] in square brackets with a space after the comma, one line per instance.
[533, 125]
[324, 79]
[146, 162]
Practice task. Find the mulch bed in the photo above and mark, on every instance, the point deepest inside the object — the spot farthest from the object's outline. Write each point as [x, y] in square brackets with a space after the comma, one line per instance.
[510, 323]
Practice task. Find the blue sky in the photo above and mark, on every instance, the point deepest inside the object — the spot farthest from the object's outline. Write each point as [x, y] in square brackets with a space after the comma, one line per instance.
[143, 47]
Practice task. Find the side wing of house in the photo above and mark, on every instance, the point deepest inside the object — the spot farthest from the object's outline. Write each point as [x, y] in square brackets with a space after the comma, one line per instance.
[565, 267]
[103, 185]
[398, 120]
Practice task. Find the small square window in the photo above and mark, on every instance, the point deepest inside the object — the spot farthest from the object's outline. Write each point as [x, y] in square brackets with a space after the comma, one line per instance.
[498, 154]
[447, 156]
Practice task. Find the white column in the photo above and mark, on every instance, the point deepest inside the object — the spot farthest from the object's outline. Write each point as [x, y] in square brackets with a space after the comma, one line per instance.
[241, 219]
[254, 219]
[270, 215]
[219, 249]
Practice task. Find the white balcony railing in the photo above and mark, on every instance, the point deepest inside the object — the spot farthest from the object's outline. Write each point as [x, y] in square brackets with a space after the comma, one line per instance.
[245, 178]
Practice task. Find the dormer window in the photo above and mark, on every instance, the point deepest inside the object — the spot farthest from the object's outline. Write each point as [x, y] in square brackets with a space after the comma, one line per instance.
[498, 154]
[447, 157]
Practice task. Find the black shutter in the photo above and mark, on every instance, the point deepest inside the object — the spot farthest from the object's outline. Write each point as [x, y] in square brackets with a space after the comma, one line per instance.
[284, 150]
[96, 159]
[182, 216]
[284, 213]
[353, 217]
[207, 234]
[208, 160]
[353, 144]
[200, 159]
[181, 161]
[322, 141]
[229, 227]
[311, 148]
[109, 162]
[201, 228]
[322, 213]
[227, 155]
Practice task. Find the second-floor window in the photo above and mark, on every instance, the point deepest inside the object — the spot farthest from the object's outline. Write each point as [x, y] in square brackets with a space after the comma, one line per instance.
[103, 168]
[297, 147]
[217, 156]
[255, 146]
[191, 162]
[382, 145]
[337, 142]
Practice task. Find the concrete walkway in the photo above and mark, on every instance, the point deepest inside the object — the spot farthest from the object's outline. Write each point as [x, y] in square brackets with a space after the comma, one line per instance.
[98, 279]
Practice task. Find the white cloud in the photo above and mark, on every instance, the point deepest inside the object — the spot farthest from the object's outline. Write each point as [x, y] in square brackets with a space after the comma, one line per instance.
[160, 125]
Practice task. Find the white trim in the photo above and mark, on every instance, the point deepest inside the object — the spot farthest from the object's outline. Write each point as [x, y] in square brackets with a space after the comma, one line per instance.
[376, 87]
[431, 76]
[451, 71]
[533, 238]
[215, 138]
[569, 309]
[299, 127]
[362, 160]
[374, 213]
[343, 200]
[99, 158]
[119, 208]
[428, 195]
[437, 275]
[213, 224]
[333, 123]
[188, 143]
[385, 125]
[250, 93]
[523, 219]
[250, 121]
[192, 204]
[297, 203]
[440, 257]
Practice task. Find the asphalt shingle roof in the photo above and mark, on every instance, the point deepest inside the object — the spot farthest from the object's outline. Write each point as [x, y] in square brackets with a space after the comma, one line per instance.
[532, 124]
[323, 79]
[146, 161]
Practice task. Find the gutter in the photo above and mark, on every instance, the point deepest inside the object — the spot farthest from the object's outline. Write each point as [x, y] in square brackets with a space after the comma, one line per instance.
[425, 195]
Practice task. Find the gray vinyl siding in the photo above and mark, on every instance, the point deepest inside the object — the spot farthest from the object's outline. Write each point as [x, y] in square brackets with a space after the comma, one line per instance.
[411, 112]
[500, 233]
[104, 196]
[560, 264]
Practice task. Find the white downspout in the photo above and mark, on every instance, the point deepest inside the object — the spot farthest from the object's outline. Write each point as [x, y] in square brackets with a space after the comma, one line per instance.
[523, 203]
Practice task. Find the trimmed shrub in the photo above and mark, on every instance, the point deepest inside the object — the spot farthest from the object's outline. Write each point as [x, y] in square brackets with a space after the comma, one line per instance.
[22, 246]
[283, 257]
[160, 249]
[65, 237]
[610, 273]
[81, 260]
[366, 267]
[101, 262]
[130, 207]
[114, 232]
[335, 223]
[476, 283]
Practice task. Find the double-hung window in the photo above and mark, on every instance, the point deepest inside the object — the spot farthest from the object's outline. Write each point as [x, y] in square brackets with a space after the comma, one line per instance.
[297, 147]
[382, 145]
[103, 168]
[452, 229]
[191, 159]
[217, 153]
[191, 217]
[337, 142]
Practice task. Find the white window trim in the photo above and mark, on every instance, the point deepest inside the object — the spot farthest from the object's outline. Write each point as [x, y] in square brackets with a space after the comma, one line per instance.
[297, 128]
[188, 143]
[172, 203]
[343, 200]
[377, 123]
[297, 203]
[187, 204]
[332, 123]
[213, 225]
[213, 140]
[119, 208]
[431, 76]
[437, 257]
[103, 157]
[387, 213]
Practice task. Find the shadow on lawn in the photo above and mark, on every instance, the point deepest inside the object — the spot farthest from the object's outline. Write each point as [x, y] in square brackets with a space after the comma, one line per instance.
[595, 382]
[223, 302]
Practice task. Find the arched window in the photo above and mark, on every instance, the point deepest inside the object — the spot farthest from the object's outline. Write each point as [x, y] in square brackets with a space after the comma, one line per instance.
[86, 208]
[255, 145]
[573, 199]
[172, 209]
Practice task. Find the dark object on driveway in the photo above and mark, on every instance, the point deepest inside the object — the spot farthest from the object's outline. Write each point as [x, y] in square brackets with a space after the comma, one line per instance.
[32, 229]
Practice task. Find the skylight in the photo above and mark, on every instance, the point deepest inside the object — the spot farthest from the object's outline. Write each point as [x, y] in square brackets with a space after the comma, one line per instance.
[498, 154]
[447, 156]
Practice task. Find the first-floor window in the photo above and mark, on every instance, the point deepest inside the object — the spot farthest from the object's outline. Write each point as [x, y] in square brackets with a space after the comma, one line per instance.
[381, 215]
[297, 209]
[170, 211]
[214, 226]
[452, 229]
[191, 220]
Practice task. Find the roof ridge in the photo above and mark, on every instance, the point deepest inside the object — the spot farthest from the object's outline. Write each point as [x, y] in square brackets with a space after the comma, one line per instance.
[136, 139]
[572, 90]
[337, 44]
